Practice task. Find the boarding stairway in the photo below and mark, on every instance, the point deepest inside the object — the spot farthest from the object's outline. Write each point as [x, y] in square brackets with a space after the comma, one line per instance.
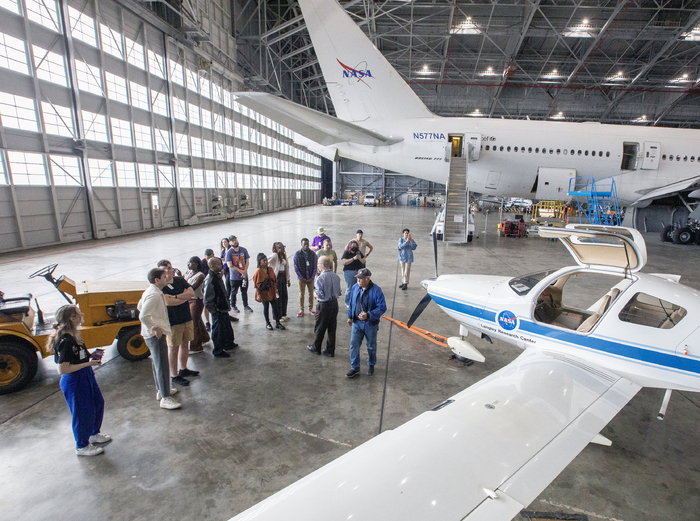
[457, 202]
[600, 198]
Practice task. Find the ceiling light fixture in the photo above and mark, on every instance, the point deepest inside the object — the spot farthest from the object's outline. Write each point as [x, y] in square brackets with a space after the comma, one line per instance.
[582, 30]
[466, 27]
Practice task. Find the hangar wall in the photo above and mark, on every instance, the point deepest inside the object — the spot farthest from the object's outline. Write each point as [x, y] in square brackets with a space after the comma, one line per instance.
[112, 125]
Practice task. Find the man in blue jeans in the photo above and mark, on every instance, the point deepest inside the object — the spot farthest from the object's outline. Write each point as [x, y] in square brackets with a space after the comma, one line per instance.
[366, 307]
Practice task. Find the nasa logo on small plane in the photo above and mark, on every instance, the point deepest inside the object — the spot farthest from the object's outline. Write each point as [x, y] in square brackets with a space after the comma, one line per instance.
[507, 320]
[360, 72]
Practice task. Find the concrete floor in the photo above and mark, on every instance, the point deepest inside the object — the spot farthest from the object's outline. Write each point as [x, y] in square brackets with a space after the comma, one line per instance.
[255, 423]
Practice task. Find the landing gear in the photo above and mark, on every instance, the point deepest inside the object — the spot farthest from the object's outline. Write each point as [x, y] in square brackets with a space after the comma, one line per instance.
[667, 234]
[684, 235]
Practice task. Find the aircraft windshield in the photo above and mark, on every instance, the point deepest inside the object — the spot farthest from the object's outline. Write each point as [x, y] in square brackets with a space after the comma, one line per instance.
[523, 284]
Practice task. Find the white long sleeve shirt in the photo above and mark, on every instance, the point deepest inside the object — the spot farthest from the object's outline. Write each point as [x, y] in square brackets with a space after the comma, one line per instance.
[153, 312]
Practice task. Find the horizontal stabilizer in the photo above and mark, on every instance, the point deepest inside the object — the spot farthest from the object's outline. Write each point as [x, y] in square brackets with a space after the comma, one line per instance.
[318, 127]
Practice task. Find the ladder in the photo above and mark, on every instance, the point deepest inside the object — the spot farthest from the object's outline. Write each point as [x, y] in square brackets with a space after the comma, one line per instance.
[457, 201]
[600, 198]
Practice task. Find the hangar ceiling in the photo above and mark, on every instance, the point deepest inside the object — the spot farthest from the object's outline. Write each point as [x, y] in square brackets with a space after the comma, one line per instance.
[626, 62]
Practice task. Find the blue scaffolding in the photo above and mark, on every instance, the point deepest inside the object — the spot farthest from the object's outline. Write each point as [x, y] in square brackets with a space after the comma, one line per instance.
[600, 198]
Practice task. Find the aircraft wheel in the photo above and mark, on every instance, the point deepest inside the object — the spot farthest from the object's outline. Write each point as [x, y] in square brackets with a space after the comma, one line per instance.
[667, 234]
[131, 344]
[697, 237]
[683, 236]
[18, 365]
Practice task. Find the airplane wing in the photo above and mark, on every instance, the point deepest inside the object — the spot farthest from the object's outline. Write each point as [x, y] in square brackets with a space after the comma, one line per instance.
[483, 455]
[666, 191]
[316, 126]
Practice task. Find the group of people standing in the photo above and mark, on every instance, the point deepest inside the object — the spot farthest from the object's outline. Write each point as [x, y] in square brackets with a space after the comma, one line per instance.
[172, 307]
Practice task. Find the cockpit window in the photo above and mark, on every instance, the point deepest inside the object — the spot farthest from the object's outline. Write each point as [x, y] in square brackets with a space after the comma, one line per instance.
[523, 284]
[646, 310]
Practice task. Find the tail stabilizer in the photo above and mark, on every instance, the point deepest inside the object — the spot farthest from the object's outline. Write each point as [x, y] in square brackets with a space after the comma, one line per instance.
[362, 84]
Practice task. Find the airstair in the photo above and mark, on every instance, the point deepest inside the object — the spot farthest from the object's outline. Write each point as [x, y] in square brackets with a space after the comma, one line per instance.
[600, 197]
[457, 202]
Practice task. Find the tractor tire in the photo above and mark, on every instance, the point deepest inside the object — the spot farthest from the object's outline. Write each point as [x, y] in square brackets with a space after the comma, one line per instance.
[667, 234]
[131, 344]
[18, 365]
[683, 235]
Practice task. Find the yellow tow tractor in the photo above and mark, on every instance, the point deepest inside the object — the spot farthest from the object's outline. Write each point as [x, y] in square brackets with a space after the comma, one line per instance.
[110, 312]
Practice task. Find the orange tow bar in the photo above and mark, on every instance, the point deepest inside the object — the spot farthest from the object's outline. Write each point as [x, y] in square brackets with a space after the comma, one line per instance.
[433, 337]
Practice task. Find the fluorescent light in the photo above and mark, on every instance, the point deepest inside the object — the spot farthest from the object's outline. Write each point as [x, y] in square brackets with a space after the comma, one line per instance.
[681, 79]
[425, 71]
[489, 72]
[641, 119]
[616, 77]
[692, 36]
[476, 114]
[582, 30]
[558, 115]
[466, 27]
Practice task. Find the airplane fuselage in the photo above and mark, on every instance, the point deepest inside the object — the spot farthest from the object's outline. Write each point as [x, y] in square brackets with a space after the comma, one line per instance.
[514, 153]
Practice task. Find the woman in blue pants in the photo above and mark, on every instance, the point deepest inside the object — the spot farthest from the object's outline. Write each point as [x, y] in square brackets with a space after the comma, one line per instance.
[78, 382]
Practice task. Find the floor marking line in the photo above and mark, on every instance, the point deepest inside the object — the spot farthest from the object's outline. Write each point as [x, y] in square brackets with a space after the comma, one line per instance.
[317, 436]
[567, 507]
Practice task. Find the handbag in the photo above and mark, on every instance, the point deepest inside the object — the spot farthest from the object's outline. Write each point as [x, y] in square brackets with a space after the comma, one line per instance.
[265, 284]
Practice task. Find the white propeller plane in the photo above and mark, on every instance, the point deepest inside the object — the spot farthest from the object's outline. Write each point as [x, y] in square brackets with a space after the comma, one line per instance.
[489, 451]
[382, 122]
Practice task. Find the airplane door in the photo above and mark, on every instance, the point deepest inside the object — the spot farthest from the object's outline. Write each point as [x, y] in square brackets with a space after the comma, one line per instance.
[474, 143]
[492, 180]
[553, 183]
[650, 158]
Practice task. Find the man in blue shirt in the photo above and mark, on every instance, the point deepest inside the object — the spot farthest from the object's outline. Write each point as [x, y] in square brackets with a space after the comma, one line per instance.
[366, 307]
[237, 259]
[327, 288]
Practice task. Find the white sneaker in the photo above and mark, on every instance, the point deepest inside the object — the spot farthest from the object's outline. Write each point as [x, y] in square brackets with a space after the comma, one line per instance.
[89, 450]
[173, 390]
[169, 403]
[100, 438]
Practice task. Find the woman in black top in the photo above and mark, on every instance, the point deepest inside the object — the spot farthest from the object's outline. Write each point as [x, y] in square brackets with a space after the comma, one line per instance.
[227, 276]
[78, 382]
[352, 260]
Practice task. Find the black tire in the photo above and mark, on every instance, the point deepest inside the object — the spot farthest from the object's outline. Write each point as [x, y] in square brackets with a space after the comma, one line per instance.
[667, 234]
[18, 365]
[131, 344]
[683, 235]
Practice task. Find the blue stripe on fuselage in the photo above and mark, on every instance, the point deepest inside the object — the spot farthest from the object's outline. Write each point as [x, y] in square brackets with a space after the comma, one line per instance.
[639, 354]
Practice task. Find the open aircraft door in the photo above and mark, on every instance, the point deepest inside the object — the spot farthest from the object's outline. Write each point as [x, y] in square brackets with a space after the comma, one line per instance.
[553, 183]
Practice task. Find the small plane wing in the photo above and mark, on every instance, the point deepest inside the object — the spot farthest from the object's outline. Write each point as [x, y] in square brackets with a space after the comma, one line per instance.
[483, 455]
[316, 126]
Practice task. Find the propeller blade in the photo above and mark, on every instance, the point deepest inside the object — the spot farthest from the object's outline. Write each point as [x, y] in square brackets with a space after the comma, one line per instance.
[419, 309]
[435, 253]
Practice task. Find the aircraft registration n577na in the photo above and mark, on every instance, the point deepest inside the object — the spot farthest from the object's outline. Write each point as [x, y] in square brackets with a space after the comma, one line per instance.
[382, 122]
[489, 451]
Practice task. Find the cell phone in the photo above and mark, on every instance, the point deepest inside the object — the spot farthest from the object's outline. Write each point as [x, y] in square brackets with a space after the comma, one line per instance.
[97, 354]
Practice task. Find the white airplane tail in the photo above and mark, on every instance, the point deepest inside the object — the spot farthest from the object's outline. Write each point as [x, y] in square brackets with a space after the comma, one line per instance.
[362, 83]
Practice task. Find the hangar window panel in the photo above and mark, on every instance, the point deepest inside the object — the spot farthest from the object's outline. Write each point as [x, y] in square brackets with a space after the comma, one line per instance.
[88, 78]
[650, 311]
[196, 146]
[228, 122]
[182, 144]
[142, 134]
[231, 179]
[228, 99]
[192, 80]
[10, 5]
[26, 168]
[139, 96]
[208, 149]
[49, 66]
[12, 54]
[254, 159]
[238, 130]
[160, 103]
[221, 179]
[184, 177]
[194, 114]
[237, 106]
[134, 53]
[219, 123]
[156, 64]
[17, 112]
[112, 41]
[230, 154]
[246, 157]
[198, 177]
[176, 73]
[179, 109]
[126, 174]
[82, 27]
[65, 170]
[121, 132]
[43, 12]
[165, 176]
[100, 172]
[95, 126]
[147, 175]
[220, 152]
[58, 120]
[116, 88]
[205, 88]
[162, 140]
[216, 93]
[206, 118]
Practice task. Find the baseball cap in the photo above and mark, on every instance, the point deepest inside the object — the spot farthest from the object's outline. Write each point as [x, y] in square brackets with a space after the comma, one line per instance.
[362, 273]
[360, 231]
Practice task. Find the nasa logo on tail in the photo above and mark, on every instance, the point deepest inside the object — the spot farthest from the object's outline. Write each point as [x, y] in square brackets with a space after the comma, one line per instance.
[507, 320]
[360, 72]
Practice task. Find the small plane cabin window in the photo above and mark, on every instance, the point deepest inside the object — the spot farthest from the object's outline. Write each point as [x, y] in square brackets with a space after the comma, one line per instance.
[607, 154]
[558, 151]
[678, 158]
[600, 153]
[593, 153]
[487, 147]
[501, 148]
[515, 149]
[579, 152]
[585, 152]
[508, 149]
[663, 157]
[649, 311]
[537, 150]
[572, 152]
[529, 150]
[522, 149]
[685, 158]
[551, 151]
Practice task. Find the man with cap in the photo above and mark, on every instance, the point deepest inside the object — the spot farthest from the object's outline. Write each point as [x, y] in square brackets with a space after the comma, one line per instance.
[367, 305]
[317, 243]
[364, 245]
